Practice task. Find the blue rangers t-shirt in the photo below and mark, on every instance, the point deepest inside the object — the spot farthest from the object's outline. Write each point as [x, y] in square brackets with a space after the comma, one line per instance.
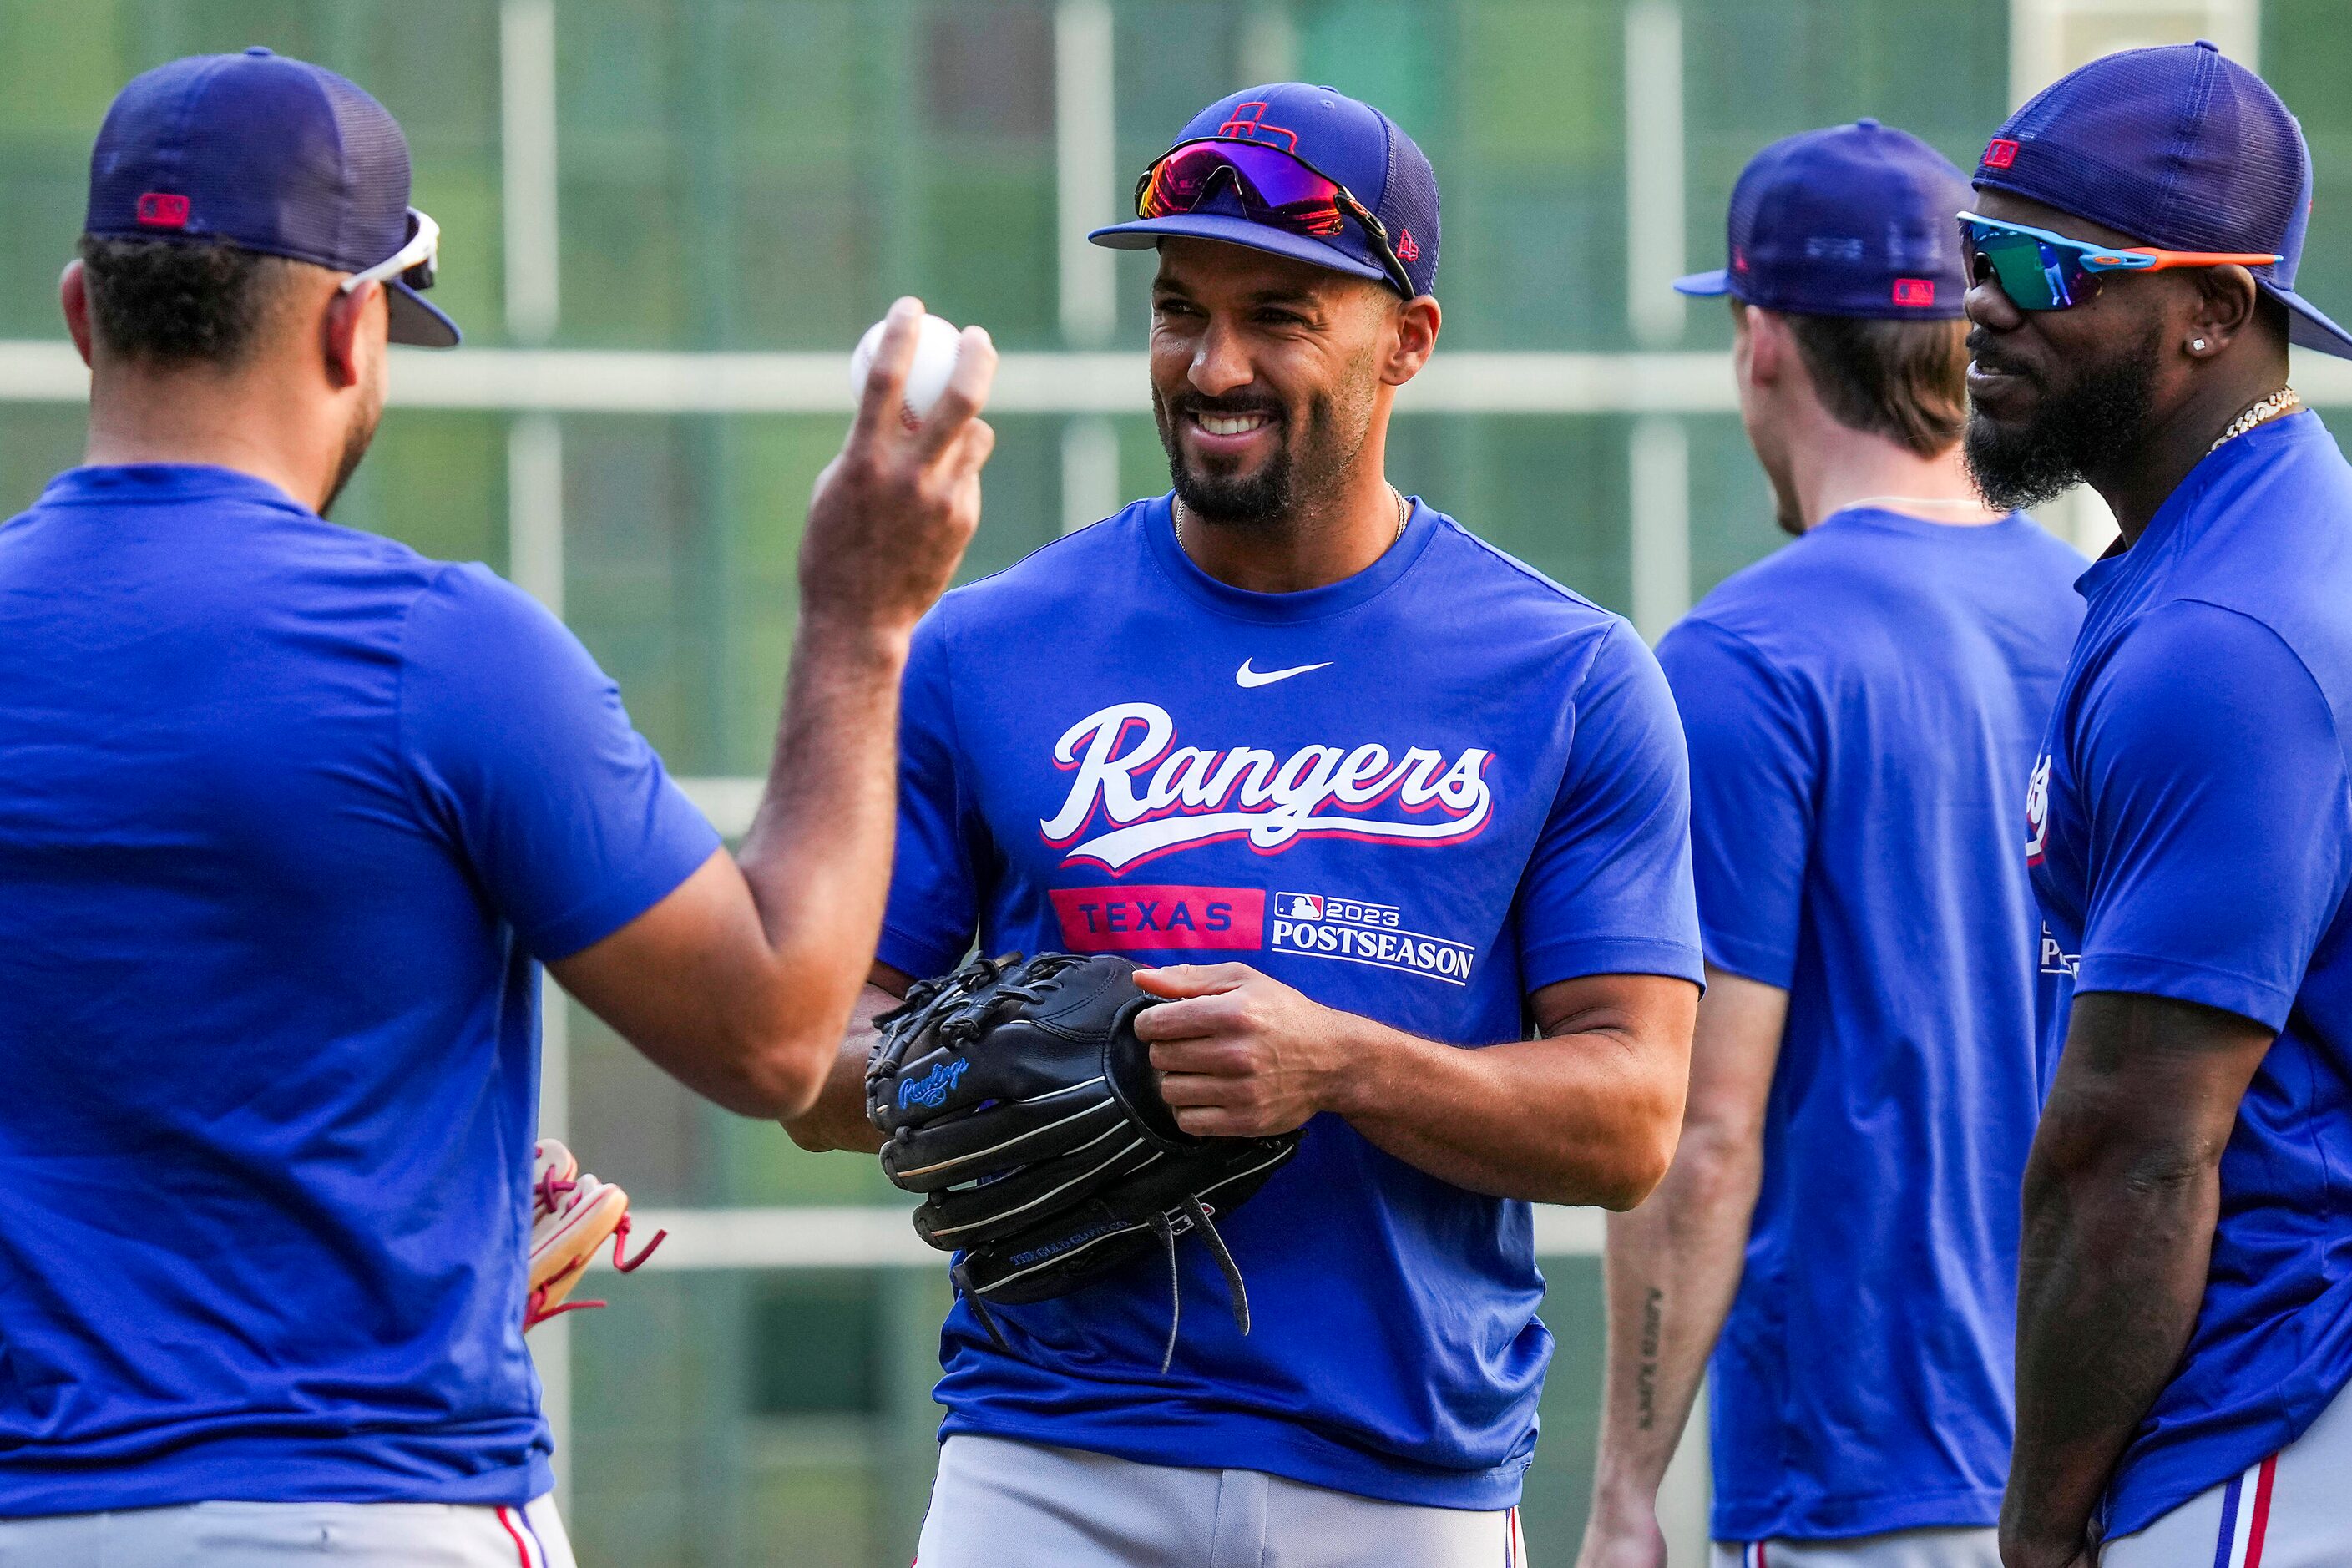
[1863, 709]
[1418, 795]
[2189, 828]
[287, 814]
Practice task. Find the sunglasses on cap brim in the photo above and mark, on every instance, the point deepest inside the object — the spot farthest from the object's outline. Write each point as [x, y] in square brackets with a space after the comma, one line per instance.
[2040, 270]
[1278, 189]
[415, 263]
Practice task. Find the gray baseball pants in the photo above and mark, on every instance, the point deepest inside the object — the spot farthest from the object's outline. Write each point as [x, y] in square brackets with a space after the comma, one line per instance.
[284, 1534]
[998, 1502]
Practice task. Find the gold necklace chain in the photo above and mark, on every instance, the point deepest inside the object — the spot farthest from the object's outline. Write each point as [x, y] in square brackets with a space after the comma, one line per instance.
[1404, 515]
[2285, 400]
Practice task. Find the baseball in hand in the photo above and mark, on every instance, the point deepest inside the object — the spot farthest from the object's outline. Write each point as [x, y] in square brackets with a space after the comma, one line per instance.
[935, 347]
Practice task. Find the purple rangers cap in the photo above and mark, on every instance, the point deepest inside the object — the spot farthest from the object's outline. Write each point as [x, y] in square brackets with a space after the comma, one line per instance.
[2179, 147]
[268, 154]
[1347, 141]
[1855, 220]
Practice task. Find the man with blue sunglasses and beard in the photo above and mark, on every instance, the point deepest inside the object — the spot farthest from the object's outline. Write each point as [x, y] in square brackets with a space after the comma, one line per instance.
[2185, 1301]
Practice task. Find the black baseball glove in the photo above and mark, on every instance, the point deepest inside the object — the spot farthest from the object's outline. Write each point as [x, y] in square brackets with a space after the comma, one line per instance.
[1018, 1100]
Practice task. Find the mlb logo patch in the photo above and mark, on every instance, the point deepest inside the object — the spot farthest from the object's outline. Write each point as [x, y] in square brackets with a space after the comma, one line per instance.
[1999, 152]
[161, 209]
[1915, 291]
[1302, 906]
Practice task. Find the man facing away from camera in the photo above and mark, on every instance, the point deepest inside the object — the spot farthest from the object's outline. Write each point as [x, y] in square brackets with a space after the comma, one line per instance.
[1220, 732]
[290, 817]
[1839, 1229]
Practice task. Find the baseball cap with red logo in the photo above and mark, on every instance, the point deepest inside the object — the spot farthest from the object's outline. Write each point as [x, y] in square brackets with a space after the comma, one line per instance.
[1853, 220]
[1381, 175]
[273, 155]
[2180, 147]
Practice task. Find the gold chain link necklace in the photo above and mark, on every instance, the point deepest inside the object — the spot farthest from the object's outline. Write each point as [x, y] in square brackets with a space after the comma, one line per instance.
[2285, 400]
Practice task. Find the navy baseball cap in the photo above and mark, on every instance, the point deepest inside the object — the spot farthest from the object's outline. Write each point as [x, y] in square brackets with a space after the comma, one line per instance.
[268, 154]
[2181, 148]
[1346, 140]
[1853, 220]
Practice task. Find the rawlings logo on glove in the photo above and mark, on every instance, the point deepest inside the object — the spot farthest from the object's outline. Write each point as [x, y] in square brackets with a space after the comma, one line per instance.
[1018, 1101]
[572, 1216]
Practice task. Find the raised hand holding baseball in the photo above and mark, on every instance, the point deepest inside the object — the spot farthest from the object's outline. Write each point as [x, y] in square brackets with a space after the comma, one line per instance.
[893, 513]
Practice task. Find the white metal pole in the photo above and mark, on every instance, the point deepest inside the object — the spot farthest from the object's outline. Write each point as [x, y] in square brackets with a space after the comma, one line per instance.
[1086, 161]
[1660, 491]
[1085, 152]
[535, 527]
[1090, 489]
[1268, 47]
[1654, 247]
[527, 121]
[1655, 238]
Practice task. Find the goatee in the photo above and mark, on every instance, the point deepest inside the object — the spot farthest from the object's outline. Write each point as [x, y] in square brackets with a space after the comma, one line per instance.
[1318, 447]
[1245, 500]
[2103, 414]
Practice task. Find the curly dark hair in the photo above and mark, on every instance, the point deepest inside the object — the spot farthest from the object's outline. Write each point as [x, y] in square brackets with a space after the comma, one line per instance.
[177, 302]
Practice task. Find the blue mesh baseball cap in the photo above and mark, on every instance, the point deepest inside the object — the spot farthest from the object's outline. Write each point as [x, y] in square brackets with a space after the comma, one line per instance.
[1346, 140]
[267, 154]
[1855, 220]
[2179, 147]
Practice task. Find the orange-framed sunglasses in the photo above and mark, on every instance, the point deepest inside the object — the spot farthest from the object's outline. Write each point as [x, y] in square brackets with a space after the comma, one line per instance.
[2040, 270]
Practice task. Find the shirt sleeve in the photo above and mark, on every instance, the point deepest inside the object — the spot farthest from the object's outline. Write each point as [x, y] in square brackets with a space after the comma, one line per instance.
[1608, 891]
[520, 753]
[934, 904]
[2213, 789]
[1755, 762]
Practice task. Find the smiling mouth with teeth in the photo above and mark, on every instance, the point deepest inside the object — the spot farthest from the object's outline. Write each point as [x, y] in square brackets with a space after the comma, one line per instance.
[1230, 423]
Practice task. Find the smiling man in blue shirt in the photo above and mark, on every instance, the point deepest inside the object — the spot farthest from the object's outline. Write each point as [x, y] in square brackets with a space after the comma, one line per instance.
[2184, 1310]
[1405, 824]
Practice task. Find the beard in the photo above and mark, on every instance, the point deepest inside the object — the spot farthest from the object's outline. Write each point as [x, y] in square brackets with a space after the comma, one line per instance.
[356, 439]
[1318, 447]
[2087, 425]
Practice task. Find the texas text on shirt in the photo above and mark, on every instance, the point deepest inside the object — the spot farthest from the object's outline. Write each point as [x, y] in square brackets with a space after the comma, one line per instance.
[1420, 794]
[2195, 772]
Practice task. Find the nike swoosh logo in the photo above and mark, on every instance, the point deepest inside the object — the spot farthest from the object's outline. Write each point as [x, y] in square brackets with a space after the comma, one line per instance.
[1246, 677]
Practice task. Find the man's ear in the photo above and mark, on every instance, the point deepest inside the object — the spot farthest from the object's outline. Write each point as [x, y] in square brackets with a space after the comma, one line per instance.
[73, 299]
[354, 329]
[2225, 304]
[1417, 323]
[1768, 343]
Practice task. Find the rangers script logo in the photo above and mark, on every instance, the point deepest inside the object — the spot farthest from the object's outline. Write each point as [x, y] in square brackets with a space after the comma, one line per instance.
[1152, 800]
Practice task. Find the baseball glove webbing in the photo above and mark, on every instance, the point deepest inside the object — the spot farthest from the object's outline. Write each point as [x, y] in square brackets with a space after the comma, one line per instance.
[1017, 1099]
[572, 1214]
